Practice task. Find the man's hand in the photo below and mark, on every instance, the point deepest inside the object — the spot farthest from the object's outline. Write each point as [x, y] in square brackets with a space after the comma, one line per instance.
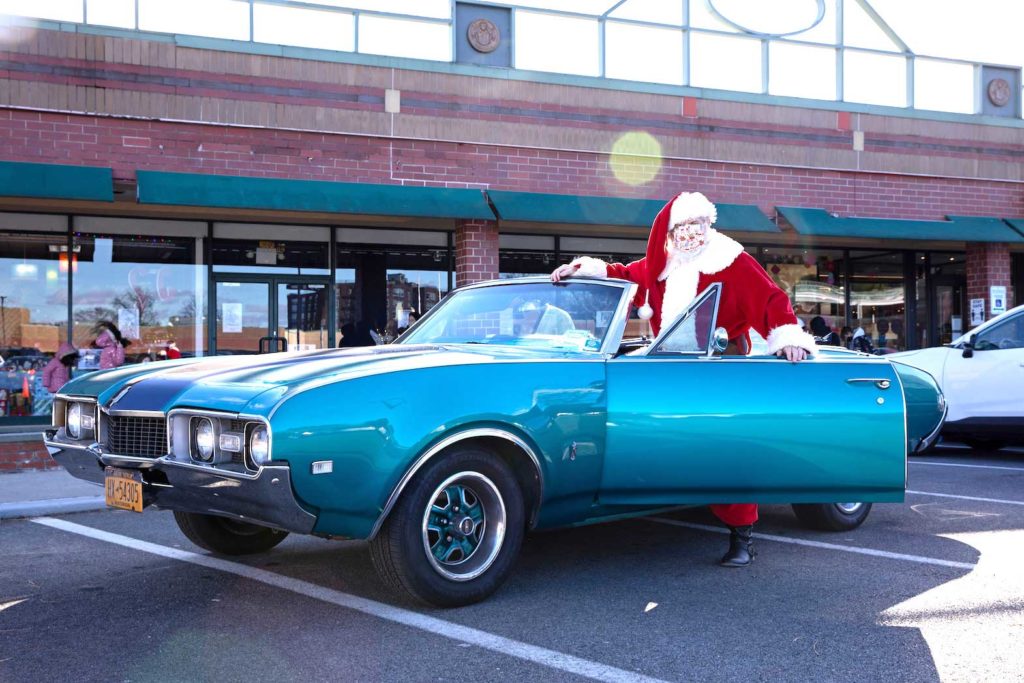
[794, 354]
[564, 271]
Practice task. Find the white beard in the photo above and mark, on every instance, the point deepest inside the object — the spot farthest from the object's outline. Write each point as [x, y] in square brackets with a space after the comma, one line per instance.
[680, 289]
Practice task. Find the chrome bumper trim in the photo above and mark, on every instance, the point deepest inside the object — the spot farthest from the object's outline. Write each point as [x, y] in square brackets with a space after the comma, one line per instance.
[264, 499]
[927, 441]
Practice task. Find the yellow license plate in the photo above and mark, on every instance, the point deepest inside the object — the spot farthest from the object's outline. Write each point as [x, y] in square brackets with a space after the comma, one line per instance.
[124, 489]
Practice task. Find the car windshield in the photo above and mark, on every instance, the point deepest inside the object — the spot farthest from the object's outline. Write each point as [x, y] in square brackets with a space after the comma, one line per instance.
[573, 316]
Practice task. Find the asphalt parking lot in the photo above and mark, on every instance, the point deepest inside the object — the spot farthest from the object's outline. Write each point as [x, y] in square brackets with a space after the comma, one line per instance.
[928, 590]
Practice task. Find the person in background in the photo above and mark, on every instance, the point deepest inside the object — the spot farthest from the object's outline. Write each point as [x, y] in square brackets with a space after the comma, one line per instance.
[173, 352]
[109, 339]
[861, 342]
[823, 334]
[846, 336]
[58, 371]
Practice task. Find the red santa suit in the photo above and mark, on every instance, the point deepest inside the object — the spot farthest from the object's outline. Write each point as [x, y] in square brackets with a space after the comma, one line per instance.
[749, 298]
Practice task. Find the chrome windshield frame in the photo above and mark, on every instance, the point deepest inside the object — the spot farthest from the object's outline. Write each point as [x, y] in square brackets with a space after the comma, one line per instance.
[712, 290]
[616, 328]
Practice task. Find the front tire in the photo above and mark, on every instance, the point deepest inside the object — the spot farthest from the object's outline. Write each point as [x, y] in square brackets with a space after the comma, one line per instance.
[832, 516]
[455, 533]
[227, 536]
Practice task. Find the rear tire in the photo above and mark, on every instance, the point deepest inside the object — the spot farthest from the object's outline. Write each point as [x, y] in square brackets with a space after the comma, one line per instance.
[832, 516]
[227, 536]
[455, 533]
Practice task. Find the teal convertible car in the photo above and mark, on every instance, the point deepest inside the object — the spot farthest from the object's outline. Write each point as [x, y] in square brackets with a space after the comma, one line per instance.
[513, 405]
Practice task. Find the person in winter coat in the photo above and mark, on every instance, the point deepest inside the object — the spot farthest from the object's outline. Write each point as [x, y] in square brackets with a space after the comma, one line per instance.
[823, 334]
[109, 339]
[58, 371]
[861, 342]
[685, 255]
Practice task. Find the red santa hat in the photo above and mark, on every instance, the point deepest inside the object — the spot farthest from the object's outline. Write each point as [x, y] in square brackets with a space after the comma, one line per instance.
[686, 206]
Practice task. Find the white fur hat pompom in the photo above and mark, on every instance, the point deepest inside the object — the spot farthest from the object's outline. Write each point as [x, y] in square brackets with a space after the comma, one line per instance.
[689, 206]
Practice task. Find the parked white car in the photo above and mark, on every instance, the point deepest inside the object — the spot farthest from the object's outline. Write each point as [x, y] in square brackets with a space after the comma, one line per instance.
[982, 377]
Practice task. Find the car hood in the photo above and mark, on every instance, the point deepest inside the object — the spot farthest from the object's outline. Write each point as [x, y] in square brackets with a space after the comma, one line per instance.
[254, 384]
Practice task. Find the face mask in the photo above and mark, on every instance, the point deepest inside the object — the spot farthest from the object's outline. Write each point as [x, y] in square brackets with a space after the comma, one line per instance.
[688, 239]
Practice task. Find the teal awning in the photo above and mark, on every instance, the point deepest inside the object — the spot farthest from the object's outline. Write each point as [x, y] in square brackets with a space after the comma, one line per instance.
[240, 192]
[537, 207]
[821, 223]
[1017, 224]
[56, 181]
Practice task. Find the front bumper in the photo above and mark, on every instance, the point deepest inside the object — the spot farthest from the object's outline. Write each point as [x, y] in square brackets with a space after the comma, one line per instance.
[265, 498]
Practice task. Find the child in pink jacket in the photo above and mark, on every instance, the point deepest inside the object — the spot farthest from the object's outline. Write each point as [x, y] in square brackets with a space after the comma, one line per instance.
[111, 342]
[58, 371]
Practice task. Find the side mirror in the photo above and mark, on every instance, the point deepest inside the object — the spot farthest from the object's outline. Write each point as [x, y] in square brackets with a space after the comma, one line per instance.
[720, 340]
[969, 347]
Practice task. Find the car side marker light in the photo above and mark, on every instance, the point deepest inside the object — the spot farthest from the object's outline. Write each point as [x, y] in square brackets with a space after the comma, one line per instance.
[323, 467]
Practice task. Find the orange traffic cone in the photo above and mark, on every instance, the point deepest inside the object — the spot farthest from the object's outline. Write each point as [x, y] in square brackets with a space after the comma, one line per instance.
[25, 391]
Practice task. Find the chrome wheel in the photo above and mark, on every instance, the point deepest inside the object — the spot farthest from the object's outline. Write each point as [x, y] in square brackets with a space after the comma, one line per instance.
[849, 508]
[464, 526]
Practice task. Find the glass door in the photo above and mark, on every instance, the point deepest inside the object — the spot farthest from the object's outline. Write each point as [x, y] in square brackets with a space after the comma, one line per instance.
[265, 314]
[302, 314]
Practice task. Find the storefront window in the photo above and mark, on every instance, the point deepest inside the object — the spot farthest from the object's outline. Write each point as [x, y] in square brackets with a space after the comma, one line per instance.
[151, 288]
[814, 280]
[381, 289]
[877, 300]
[279, 257]
[523, 255]
[33, 318]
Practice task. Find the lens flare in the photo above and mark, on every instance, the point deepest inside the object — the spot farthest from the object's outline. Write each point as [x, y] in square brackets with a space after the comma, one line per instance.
[635, 158]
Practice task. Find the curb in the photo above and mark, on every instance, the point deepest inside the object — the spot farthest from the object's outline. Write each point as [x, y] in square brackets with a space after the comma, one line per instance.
[55, 506]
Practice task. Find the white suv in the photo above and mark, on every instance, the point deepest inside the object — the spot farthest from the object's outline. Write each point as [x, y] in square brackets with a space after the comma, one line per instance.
[982, 376]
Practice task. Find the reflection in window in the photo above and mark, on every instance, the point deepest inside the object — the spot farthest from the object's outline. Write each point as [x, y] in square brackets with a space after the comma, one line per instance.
[814, 280]
[382, 290]
[877, 298]
[152, 288]
[33, 317]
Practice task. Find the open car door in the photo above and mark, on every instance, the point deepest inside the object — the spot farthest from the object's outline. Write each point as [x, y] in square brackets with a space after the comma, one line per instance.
[688, 427]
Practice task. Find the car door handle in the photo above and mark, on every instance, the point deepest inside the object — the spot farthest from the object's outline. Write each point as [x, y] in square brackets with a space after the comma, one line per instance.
[879, 382]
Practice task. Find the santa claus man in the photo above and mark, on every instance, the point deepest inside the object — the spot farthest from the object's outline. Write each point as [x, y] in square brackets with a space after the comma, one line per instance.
[685, 255]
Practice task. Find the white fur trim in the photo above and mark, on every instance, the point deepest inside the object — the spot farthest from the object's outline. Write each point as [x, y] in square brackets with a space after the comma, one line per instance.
[689, 206]
[719, 253]
[790, 335]
[590, 267]
[680, 288]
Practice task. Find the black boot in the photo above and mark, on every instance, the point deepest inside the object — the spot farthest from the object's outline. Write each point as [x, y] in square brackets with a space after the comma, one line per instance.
[741, 547]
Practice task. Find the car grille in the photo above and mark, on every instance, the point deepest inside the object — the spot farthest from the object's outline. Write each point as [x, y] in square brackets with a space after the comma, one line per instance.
[140, 436]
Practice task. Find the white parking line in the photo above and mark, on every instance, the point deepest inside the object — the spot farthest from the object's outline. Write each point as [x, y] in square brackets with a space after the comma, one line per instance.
[980, 500]
[957, 464]
[447, 629]
[819, 544]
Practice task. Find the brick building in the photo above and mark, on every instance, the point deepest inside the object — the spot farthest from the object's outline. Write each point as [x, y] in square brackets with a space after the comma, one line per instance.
[189, 188]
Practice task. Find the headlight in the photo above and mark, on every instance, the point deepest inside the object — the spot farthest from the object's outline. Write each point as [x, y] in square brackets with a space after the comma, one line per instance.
[204, 438]
[259, 446]
[74, 421]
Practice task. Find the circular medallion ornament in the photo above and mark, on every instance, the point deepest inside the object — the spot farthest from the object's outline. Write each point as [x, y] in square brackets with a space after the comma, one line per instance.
[483, 36]
[999, 92]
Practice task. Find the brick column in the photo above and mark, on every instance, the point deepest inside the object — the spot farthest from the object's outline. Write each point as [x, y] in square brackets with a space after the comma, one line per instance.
[476, 251]
[988, 264]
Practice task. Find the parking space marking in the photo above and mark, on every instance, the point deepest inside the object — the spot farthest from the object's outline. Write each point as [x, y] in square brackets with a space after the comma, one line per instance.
[957, 464]
[919, 559]
[974, 498]
[464, 634]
